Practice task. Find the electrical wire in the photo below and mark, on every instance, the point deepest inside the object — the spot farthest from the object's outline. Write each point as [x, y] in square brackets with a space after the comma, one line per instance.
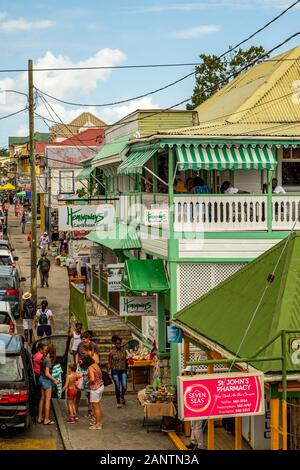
[13, 114]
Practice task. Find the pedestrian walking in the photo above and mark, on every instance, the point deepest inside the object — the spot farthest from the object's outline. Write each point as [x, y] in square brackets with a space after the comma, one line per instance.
[76, 340]
[29, 239]
[89, 351]
[44, 320]
[71, 388]
[23, 222]
[44, 265]
[117, 364]
[96, 390]
[46, 381]
[27, 315]
[44, 243]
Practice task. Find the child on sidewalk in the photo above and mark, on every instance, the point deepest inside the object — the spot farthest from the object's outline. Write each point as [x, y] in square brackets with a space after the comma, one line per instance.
[71, 388]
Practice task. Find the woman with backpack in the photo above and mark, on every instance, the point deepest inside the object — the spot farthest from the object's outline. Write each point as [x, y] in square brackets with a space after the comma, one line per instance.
[44, 320]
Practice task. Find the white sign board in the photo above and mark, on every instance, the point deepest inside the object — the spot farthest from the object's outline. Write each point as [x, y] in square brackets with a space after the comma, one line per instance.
[114, 278]
[80, 248]
[85, 217]
[138, 305]
[156, 217]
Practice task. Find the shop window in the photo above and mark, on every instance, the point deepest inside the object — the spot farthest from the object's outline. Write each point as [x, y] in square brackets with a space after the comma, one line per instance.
[291, 167]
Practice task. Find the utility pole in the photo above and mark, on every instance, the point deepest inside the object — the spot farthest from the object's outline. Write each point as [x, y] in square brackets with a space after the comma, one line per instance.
[33, 182]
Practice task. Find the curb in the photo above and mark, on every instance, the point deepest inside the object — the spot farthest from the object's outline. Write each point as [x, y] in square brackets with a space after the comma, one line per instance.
[179, 444]
[61, 425]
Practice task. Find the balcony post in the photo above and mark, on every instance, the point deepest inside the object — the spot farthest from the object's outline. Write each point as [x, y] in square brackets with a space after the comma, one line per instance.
[269, 202]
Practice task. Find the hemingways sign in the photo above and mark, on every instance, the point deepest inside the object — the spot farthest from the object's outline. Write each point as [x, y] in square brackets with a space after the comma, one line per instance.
[207, 396]
[138, 305]
[156, 216]
[85, 217]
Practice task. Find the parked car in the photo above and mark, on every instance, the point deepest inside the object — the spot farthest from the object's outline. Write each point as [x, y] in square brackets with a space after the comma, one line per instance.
[10, 288]
[6, 258]
[4, 244]
[7, 322]
[16, 383]
[3, 220]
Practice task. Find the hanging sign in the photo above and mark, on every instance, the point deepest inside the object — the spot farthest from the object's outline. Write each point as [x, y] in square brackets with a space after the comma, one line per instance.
[225, 395]
[174, 334]
[85, 217]
[114, 278]
[80, 248]
[156, 217]
[138, 305]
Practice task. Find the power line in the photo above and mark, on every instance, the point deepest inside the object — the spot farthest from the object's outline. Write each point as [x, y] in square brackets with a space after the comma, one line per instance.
[13, 114]
[221, 82]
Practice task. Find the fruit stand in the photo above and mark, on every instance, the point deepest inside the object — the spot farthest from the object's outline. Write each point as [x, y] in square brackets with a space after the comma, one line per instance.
[140, 360]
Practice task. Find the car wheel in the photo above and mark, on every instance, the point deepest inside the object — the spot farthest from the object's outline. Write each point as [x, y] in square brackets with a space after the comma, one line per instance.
[28, 423]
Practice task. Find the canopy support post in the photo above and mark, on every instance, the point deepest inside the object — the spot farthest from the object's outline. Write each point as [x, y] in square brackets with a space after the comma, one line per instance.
[211, 422]
[270, 211]
[186, 357]
[238, 433]
[274, 405]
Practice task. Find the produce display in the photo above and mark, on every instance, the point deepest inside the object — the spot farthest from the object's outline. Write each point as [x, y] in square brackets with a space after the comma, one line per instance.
[142, 354]
[160, 393]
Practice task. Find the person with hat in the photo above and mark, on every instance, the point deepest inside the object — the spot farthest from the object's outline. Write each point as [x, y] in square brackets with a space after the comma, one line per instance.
[27, 315]
[44, 243]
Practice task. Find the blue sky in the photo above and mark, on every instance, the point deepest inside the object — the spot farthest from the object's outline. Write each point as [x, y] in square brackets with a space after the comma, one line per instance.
[120, 32]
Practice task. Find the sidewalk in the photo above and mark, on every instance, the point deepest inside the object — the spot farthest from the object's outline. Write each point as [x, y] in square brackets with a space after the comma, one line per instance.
[58, 292]
[122, 428]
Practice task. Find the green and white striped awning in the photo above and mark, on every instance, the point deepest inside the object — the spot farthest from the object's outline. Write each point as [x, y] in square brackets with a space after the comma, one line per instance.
[225, 158]
[135, 161]
[84, 174]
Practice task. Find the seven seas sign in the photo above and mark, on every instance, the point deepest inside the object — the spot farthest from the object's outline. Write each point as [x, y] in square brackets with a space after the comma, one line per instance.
[138, 305]
[85, 217]
[225, 395]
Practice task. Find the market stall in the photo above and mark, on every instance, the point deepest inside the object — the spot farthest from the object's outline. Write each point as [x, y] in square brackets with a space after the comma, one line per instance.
[158, 402]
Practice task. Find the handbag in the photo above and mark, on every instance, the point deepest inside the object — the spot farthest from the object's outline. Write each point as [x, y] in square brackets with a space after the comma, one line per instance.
[106, 378]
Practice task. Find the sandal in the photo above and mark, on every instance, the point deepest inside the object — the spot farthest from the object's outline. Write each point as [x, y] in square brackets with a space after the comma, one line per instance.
[40, 421]
[95, 427]
[49, 423]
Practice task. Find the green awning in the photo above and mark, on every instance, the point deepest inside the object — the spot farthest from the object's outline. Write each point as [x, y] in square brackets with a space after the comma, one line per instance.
[121, 237]
[135, 161]
[84, 174]
[147, 275]
[114, 148]
[225, 158]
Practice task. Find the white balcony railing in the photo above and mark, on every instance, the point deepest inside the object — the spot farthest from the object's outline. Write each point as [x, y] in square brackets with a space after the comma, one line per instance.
[217, 213]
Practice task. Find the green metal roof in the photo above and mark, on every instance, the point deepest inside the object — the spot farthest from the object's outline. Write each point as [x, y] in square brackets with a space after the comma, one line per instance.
[134, 163]
[147, 275]
[85, 173]
[121, 237]
[38, 137]
[110, 149]
[224, 314]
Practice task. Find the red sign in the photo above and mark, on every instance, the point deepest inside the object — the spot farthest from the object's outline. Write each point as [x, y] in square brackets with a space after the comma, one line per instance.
[206, 396]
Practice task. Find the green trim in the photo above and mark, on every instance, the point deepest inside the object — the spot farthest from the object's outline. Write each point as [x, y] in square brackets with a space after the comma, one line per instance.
[161, 333]
[269, 204]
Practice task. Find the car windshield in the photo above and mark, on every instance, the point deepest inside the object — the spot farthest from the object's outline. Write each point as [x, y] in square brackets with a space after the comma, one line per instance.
[5, 261]
[10, 369]
[6, 283]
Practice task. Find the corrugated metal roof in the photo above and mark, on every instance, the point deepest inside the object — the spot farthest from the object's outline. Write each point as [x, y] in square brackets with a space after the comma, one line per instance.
[38, 137]
[262, 101]
[110, 149]
[224, 314]
[66, 130]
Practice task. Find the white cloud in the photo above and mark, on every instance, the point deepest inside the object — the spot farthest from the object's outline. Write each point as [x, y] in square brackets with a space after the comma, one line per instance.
[21, 24]
[113, 114]
[68, 84]
[195, 32]
[22, 130]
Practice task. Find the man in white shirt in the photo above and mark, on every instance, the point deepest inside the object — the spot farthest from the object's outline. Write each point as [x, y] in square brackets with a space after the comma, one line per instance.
[44, 243]
[227, 188]
[275, 188]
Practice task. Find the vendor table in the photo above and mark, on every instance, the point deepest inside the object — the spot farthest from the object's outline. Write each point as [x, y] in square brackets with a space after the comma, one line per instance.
[147, 364]
[154, 410]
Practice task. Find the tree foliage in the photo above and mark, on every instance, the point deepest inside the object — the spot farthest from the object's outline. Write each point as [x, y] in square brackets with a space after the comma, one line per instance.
[214, 73]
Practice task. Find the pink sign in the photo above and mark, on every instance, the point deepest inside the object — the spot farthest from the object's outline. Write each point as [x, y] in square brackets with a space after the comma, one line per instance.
[220, 395]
